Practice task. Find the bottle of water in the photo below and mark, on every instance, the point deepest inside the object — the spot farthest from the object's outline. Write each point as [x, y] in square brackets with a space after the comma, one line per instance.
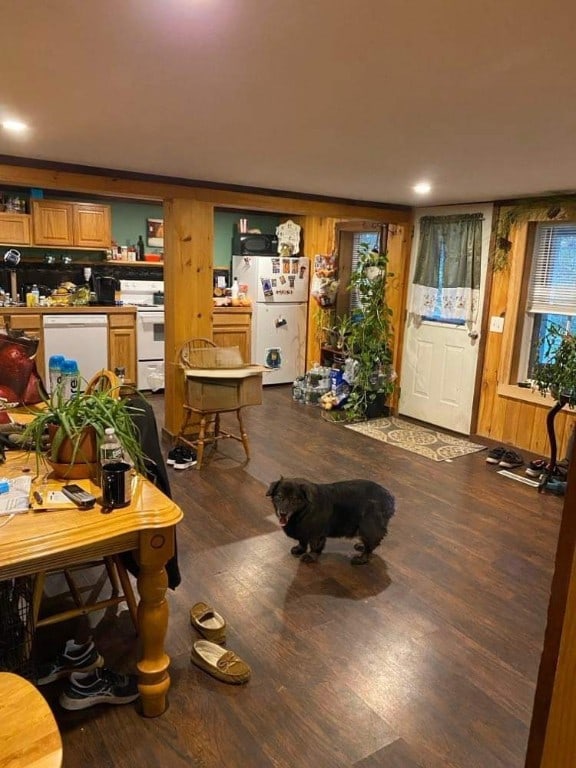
[55, 372]
[110, 448]
[70, 379]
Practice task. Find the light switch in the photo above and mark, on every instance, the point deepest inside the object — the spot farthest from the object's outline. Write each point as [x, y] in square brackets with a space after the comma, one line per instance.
[496, 324]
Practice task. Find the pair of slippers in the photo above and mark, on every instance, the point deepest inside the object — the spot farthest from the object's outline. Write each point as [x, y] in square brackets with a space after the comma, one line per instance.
[208, 654]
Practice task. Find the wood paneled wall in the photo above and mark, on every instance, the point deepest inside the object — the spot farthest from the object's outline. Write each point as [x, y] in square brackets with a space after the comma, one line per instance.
[507, 413]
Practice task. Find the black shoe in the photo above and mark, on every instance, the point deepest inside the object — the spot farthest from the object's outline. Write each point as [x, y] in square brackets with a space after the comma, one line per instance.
[496, 454]
[536, 467]
[511, 459]
[76, 657]
[181, 457]
[99, 687]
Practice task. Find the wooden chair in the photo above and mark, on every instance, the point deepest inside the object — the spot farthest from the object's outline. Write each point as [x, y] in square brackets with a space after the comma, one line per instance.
[86, 598]
[216, 381]
[29, 735]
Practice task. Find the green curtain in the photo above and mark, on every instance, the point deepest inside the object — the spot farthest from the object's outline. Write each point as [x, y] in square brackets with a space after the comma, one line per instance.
[454, 285]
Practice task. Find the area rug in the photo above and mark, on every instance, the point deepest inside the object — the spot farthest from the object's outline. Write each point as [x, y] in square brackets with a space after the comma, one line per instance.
[434, 445]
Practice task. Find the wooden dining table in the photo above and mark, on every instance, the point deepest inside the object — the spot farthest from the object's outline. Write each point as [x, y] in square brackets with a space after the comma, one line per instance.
[32, 542]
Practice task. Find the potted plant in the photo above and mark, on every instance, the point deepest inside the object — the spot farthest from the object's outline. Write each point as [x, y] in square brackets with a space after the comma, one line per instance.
[67, 432]
[556, 376]
[366, 337]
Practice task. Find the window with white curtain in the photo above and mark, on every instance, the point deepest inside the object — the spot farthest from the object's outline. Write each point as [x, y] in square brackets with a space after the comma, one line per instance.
[551, 296]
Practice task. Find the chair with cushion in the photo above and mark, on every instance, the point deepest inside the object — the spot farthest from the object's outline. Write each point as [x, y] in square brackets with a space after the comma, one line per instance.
[216, 381]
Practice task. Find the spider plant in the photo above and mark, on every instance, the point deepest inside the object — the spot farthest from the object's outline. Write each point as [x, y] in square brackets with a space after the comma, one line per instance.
[71, 419]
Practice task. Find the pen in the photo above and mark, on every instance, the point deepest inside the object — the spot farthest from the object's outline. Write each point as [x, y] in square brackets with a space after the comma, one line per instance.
[51, 509]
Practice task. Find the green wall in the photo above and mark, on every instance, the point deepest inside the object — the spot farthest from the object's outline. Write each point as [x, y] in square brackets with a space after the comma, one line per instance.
[226, 225]
[129, 221]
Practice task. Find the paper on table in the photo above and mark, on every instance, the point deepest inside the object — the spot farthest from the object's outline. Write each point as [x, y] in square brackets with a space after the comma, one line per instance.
[17, 499]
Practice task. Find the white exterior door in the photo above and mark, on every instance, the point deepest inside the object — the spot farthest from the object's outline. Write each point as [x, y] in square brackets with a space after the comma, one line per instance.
[439, 360]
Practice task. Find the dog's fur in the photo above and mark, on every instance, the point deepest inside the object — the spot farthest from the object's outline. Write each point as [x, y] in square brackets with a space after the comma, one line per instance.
[312, 512]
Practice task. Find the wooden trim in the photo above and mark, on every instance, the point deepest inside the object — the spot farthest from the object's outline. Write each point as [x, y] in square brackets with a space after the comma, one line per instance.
[517, 261]
[551, 742]
[154, 188]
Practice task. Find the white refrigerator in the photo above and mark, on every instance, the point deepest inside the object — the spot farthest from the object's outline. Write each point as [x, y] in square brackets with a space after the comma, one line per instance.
[278, 287]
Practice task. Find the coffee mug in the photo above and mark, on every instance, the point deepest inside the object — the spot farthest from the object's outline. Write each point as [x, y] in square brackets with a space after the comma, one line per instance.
[116, 484]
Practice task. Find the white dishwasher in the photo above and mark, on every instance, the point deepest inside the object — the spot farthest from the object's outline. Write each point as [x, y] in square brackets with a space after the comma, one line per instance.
[80, 337]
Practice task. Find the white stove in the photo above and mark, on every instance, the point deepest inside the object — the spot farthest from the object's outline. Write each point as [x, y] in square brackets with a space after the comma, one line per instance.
[149, 330]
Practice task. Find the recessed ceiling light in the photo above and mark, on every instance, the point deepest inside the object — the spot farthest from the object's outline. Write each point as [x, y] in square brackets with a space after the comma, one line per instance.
[15, 126]
[422, 188]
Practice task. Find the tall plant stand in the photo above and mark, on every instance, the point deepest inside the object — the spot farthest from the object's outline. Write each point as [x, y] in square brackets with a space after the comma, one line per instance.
[547, 479]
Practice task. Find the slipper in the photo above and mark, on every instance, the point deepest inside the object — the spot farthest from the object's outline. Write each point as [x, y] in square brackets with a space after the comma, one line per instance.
[209, 623]
[220, 663]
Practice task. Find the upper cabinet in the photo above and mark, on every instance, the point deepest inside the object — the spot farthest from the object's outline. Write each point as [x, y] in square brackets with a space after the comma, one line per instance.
[64, 224]
[15, 228]
[92, 225]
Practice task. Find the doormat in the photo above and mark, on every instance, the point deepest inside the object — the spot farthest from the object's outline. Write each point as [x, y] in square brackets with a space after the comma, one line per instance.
[425, 442]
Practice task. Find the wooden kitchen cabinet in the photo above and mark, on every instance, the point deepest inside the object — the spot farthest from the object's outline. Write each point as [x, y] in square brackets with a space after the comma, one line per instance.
[92, 225]
[15, 228]
[232, 327]
[74, 225]
[53, 223]
[122, 345]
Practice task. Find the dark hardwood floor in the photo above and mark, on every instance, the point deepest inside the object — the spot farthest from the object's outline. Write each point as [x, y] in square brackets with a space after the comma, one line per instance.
[427, 657]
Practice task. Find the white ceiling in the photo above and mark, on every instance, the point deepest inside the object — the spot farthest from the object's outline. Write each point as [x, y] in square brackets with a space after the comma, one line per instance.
[346, 98]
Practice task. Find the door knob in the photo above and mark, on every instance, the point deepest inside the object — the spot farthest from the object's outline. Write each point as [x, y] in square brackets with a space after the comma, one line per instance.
[473, 334]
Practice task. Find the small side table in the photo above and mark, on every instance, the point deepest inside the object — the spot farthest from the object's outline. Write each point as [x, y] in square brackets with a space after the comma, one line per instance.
[29, 735]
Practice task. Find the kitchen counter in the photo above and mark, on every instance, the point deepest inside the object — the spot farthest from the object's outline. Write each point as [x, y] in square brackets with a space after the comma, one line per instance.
[84, 310]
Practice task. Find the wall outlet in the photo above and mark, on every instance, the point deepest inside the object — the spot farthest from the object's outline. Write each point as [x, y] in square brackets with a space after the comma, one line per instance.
[496, 324]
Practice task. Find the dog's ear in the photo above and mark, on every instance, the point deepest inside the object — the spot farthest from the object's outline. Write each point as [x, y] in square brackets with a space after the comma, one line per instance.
[309, 492]
[272, 487]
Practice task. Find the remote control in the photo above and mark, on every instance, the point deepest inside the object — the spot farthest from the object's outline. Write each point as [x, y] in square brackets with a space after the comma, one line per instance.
[79, 496]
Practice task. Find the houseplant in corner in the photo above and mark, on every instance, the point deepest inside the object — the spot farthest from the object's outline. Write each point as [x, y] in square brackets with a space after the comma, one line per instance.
[556, 375]
[67, 432]
[365, 334]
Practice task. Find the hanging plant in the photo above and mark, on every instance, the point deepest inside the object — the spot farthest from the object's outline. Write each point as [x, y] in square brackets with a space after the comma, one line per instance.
[542, 208]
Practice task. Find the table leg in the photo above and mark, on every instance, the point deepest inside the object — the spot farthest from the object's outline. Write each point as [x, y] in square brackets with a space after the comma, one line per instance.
[156, 548]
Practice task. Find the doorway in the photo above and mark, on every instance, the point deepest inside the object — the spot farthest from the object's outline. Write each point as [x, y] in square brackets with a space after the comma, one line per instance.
[440, 358]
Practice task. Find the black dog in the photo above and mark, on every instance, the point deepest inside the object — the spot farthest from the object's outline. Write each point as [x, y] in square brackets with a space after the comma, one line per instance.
[312, 512]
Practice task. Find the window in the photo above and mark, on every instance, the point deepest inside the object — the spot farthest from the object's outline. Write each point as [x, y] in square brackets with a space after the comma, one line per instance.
[551, 295]
[371, 239]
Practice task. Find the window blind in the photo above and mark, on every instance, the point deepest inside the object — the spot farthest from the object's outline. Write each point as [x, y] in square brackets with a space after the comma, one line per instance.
[372, 239]
[552, 286]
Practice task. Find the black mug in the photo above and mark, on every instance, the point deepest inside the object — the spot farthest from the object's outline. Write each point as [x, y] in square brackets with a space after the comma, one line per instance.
[116, 484]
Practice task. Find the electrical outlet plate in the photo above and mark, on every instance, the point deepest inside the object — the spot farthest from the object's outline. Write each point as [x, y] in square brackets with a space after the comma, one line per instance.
[496, 324]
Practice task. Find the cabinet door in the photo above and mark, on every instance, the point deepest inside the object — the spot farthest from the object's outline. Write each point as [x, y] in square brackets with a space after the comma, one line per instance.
[232, 328]
[122, 351]
[53, 222]
[92, 227]
[15, 228]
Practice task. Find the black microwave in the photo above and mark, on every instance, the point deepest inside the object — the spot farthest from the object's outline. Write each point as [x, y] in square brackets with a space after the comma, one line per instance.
[247, 244]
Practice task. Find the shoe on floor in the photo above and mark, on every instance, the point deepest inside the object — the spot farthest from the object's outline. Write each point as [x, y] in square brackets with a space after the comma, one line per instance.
[495, 454]
[209, 623]
[76, 657]
[511, 459]
[536, 467]
[220, 663]
[181, 458]
[102, 686]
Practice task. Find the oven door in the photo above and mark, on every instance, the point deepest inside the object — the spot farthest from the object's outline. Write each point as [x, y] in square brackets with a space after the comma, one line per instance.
[150, 334]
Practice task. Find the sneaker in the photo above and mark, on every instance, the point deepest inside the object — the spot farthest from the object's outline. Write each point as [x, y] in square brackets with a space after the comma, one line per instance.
[511, 459]
[172, 455]
[76, 657]
[102, 686]
[495, 455]
[535, 468]
[184, 458]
